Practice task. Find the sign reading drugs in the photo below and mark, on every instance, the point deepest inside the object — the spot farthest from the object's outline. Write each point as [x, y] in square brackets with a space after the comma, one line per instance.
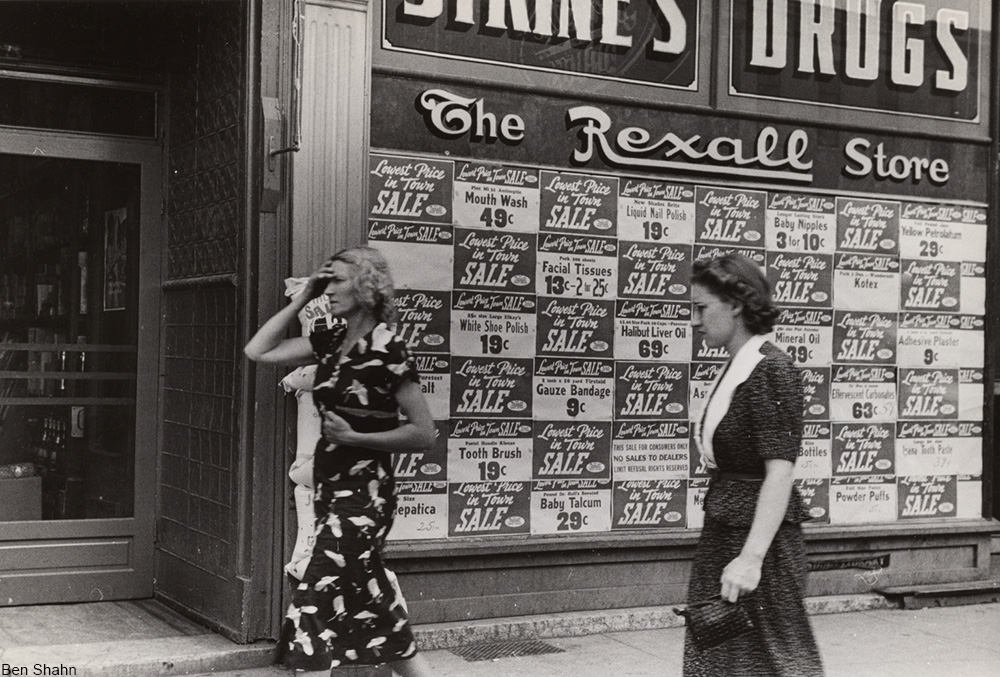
[920, 58]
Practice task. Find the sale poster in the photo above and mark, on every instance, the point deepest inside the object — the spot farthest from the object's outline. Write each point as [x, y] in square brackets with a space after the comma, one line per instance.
[651, 391]
[410, 189]
[867, 226]
[972, 288]
[435, 383]
[549, 316]
[430, 464]
[864, 282]
[815, 493]
[863, 499]
[729, 217]
[922, 496]
[490, 387]
[575, 327]
[421, 511]
[928, 393]
[655, 211]
[806, 335]
[931, 286]
[651, 330]
[863, 448]
[816, 455]
[567, 450]
[572, 389]
[806, 224]
[499, 197]
[492, 262]
[649, 504]
[650, 451]
[939, 448]
[801, 279]
[864, 337]
[697, 463]
[697, 488]
[570, 506]
[575, 267]
[654, 271]
[931, 232]
[860, 393]
[501, 325]
[971, 394]
[401, 243]
[815, 393]
[424, 319]
[579, 204]
[489, 508]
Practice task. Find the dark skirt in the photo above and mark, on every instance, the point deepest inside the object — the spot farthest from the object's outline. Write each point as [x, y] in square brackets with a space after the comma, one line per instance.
[782, 643]
[345, 611]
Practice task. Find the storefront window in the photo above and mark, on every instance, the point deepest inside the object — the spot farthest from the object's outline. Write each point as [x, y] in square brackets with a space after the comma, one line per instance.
[68, 329]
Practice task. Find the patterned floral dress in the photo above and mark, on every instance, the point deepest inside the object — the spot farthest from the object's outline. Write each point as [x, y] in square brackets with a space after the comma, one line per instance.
[763, 421]
[345, 611]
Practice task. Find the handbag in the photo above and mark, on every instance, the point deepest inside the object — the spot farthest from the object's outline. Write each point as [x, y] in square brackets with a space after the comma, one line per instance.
[715, 621]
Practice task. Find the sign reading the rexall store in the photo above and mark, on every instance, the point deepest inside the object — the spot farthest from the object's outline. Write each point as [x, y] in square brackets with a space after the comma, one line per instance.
[483, 124]
[921, 58]
[654, 42]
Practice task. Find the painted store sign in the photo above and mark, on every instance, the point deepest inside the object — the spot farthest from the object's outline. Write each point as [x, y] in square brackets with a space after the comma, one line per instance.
[649, 41]
[919, 58]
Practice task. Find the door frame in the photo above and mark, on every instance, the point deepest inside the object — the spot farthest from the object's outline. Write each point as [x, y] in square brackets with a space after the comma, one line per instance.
[110, 558]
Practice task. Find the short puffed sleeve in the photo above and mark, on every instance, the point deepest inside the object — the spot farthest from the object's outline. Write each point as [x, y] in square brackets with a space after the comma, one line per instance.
[398, 361]
[327, 342]
[776, 429]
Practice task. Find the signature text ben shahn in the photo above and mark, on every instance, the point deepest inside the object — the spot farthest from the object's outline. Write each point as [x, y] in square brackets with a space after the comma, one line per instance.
[36, 669]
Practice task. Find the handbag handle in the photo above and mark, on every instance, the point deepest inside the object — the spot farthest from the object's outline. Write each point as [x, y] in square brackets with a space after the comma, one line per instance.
[683, 611]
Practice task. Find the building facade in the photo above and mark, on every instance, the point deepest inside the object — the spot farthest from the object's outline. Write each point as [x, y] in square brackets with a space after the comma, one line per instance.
[541, 176]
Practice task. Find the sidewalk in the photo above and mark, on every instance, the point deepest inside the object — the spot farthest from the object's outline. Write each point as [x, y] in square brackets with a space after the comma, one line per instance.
[863, 636]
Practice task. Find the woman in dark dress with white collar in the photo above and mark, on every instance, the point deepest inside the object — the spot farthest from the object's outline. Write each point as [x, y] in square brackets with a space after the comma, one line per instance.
[749, 435]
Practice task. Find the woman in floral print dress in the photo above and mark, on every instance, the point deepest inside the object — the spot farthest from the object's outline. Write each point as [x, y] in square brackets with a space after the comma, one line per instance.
[345, 610]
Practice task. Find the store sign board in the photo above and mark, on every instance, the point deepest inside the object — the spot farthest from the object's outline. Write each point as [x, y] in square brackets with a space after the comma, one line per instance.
[919, 58]
[652, 43]
[426, 117]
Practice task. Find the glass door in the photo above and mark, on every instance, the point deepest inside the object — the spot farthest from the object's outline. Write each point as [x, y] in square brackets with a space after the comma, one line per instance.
[79, 345]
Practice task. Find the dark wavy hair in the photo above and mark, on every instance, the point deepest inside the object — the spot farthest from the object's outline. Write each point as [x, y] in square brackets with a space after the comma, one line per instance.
[373, 285]
[734, 277]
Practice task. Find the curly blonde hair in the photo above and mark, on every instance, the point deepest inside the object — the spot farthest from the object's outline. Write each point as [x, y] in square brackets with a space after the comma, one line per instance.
[373, 285]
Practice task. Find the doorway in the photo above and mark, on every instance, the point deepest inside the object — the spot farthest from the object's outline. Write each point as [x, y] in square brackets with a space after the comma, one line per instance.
[79, 353]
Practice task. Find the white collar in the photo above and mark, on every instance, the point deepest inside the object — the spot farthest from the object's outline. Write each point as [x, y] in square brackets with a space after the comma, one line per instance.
[721, 396]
